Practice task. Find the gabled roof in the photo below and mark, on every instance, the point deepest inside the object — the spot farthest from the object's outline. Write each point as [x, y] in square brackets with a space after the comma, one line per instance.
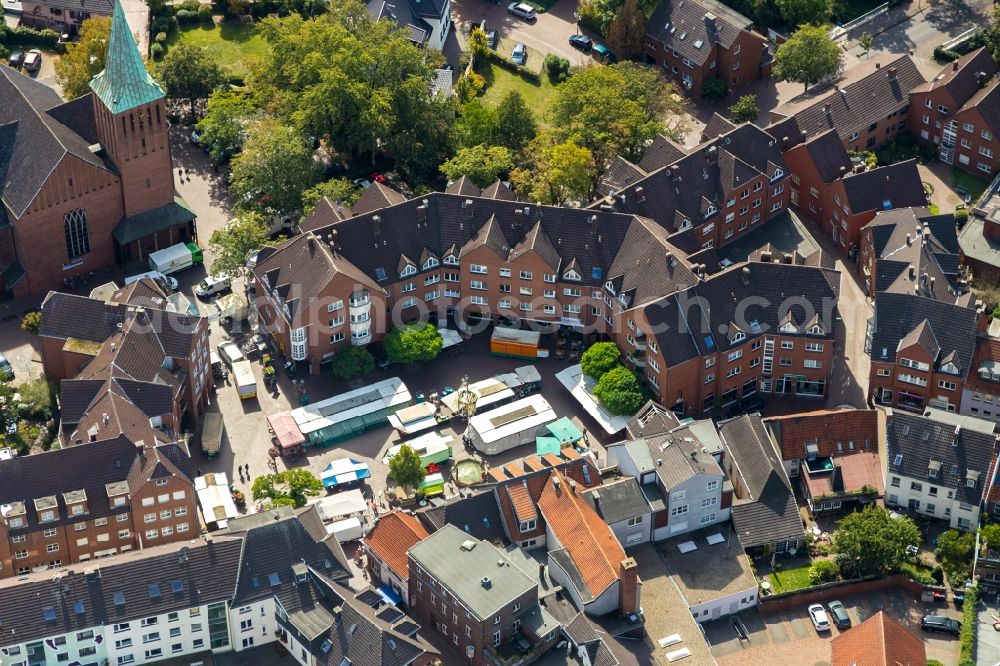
[867, 92]
[464, 187]
[694, 27]
[878, 641]
[715, 126]
[392, 536]
[660, 152]
[897, 315]
[913, 441]
[205, 572]
[767, 512]
[829, 155]
[124, 83]
[499, 190]
[987, 102]
[856, 430]
[894, 186]
[66, 316]
[377, 196]
[617, 501]
[960, 79]
[475, 513]
[585, 539]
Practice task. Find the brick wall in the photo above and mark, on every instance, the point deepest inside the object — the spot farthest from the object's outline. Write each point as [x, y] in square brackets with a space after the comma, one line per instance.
[829, 591]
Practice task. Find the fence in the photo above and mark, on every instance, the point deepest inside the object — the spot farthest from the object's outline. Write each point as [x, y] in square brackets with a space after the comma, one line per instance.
[841, 30]
[829, 591]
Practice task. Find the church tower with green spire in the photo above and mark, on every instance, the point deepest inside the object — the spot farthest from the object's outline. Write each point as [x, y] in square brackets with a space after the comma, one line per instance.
[131, 119]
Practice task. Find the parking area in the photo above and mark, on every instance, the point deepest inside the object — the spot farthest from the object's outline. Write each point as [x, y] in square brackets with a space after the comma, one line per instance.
[788, 637]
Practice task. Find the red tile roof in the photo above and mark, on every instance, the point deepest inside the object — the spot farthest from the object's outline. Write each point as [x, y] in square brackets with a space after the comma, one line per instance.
[987, 350]
[589, 541]
[825, 428]
[878, 641]
[524, 507]
[392, 536]
[857, 471]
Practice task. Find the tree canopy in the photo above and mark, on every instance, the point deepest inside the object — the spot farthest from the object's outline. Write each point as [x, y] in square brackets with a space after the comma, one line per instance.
[232, 243]
[480, 164]
[799, 12]
[273, 170]
[616, 110]
[85, 58]
[290, 487]
[599, 358]
[359, 85]
[871, 542]
[338, 190]
[411, 343]
[515, 124]
[352, 362]
[476, 125]
[190, 73]
[991, 34]
[405, 467]
[554, 173]
[745, 110]
[223, 129]
[619, 391]
[627, 31]
[808, 56]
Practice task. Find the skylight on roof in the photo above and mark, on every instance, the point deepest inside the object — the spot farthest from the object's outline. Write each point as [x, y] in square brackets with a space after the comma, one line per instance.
[755, 326]
[898, 460]
[273, 579]
[709, 342]
[79, 608]
[886, 204]
[698, 44]
[50, 614]
[119, 598]
[380, 274]
[154, 591]
[596, 272]
[682, 35]
[176, 586]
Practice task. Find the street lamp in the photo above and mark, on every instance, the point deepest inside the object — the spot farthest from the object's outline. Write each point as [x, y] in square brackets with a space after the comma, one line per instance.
[576, 22]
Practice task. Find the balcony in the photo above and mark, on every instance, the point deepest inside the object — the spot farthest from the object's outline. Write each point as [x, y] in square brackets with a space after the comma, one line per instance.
[638, 359]
[361, 335]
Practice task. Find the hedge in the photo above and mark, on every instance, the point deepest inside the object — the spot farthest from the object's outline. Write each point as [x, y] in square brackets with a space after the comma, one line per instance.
[24, 36]
[940, 53]
[968, 634]
[187, 16]
[511, 66]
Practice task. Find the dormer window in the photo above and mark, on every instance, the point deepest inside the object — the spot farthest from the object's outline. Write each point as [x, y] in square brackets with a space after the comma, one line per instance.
[739, 336]
[572, 275]
[787, 327]
[816, 330]
[451, 260]
[971, 478]
[711, 210]
[410, 269]
[610, 286]
[431, 262]
[933, 469]
[778, 173]
[949, 368]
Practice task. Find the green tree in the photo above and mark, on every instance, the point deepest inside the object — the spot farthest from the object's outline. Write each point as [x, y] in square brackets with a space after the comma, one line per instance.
[273, 170]
[990, 534]
[555, 172]
[190, 73]
[616, 110]
[479, 47]
[290, 487]
[714, 88]
[232, 243]
[223, 129]
[745, 110]
[405, 467]
[599, 358]
[479, 164]
[808, 56]
[870, 542]
[798, 12]
[620, 392]
[469, 87]
[476, 125]
[865, 42]
[31, 322]
[627, 31]
[413, 342]
[823, 571]
[352, 362]
[85, 58]
[515, 122]
[338, 190]
[991, 34]
[955, 548]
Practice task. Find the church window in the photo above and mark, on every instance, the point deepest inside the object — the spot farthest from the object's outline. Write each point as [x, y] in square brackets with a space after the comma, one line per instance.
[77, 237]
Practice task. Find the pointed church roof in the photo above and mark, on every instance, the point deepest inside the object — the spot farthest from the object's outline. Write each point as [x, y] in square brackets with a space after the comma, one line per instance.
[125, 83]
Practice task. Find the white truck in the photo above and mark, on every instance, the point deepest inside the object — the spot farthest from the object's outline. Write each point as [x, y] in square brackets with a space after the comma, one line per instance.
[246, 383]
[176, 258]
[211, 434]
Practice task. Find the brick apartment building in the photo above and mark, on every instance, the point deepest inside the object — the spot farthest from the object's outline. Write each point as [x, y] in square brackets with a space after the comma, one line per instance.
[815, 164]
[125, 355]
[718, 192]
[921, 350]
[981, 391]
[908, 250]
[473, 596]
[959, 113]
[868, 106]
[81, 503]
[94, 173]
[695, 40]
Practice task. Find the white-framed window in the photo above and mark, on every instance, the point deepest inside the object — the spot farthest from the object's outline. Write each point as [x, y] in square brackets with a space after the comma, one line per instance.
[527, 275]
[711, 486]
[679, 510]
[477, 268]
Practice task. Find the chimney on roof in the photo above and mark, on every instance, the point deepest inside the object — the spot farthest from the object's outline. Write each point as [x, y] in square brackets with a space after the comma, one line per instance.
[981, 78]
[486, 582]
[377, 226]
[784, 142]
[467, 207]
[826, 109]
[913, 271]
[932, 283]
[572, 485]
[892, 73]
[710, 20]
[909, 240]
[669, 256]
[711, 154]
[628, 587]
[518, 218]
[745, 275]
[878, 65]
[422, 213]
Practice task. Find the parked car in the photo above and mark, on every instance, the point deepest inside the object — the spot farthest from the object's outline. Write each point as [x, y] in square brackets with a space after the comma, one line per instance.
[521, 10]
[195, 137]
[377, 177]
[519, 54]
[363, 183]
[6, 369]
[839, 614]
[940, 623]
[581, 42]
[33, 61]
[819, 618]
[252, 258]
[213, 284]
[492, 38]
[230, 353]
[604, 53]
[16, 59]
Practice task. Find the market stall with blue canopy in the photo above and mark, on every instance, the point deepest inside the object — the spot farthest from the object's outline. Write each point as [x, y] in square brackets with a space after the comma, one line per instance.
[344, 473]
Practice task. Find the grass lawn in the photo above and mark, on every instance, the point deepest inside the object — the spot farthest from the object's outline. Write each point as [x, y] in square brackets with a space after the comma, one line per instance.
[974, 185]
[790, 579]
[227, 43]
[499, 82]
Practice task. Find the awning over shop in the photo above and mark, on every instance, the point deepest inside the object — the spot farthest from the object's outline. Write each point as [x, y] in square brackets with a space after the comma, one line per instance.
[344, 471]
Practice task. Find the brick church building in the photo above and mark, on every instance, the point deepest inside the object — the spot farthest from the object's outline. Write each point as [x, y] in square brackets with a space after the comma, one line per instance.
[87, 183]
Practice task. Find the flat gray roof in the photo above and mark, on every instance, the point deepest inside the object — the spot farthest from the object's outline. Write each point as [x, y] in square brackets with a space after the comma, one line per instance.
[461, 570]
[711, 571]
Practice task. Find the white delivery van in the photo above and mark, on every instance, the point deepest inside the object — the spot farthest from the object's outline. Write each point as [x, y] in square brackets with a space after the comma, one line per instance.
[176, 258]
[246, 383]
[213, 284]
[153, 275]
[349, 529]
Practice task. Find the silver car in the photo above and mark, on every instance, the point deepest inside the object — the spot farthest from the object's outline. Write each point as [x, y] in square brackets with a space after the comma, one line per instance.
[519, 54]
[521, 10]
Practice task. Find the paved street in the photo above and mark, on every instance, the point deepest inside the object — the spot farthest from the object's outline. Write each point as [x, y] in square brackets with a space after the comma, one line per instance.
[930, 25]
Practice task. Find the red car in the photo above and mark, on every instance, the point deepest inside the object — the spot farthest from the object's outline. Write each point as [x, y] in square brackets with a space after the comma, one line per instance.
[377, 177]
